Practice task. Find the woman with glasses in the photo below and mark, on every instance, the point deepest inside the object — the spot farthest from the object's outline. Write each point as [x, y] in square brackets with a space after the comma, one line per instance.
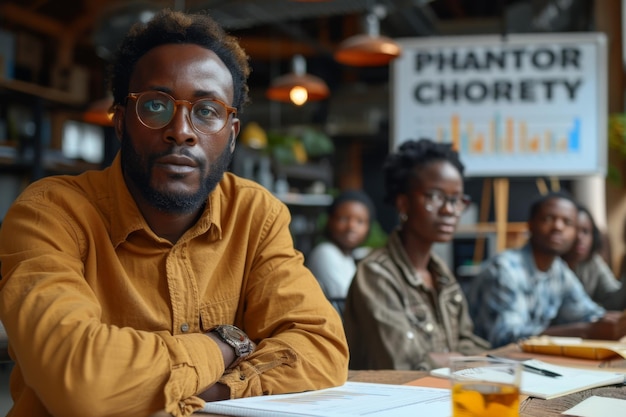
[404, 309]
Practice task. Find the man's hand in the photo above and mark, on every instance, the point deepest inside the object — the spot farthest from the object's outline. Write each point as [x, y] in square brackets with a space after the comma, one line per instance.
[613, 317]
[228, 353]
[219, 391]
[612, 326]
[216, 392]
[569, 330]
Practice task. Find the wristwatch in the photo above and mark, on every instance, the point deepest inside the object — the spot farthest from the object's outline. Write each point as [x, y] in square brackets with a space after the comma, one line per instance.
[237, 339]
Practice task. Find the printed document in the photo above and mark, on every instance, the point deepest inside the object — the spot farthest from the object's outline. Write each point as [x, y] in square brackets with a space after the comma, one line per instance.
[353, 399]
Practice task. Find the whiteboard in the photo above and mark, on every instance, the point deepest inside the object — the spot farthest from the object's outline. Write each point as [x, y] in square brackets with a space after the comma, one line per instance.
[524, 105]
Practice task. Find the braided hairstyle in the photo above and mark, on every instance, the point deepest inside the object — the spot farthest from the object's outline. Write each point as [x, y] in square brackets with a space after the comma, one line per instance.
[403, 165]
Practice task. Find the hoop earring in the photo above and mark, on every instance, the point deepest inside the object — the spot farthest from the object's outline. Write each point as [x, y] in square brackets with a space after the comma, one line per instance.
[403, 217]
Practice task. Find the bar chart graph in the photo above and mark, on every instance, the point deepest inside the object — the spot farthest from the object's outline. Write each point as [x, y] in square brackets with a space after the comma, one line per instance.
[500, 135]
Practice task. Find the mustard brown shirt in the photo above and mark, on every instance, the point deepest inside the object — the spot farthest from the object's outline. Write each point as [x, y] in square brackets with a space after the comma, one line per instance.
[104, 318]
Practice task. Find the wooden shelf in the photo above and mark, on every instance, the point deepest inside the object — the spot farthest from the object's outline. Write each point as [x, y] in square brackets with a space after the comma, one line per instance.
[514, 235]
[11, 162]
[308, 171]
[512, 227]
[309, 200]
[46, 93]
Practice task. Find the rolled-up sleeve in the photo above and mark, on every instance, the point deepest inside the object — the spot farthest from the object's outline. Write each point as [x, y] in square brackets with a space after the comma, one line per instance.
[302, 343]
[68, 356]
[498, 307]
[100, 310]
[510, 299]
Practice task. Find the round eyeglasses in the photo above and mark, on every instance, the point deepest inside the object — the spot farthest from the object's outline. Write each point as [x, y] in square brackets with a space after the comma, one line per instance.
[435, 199]
[156, 109]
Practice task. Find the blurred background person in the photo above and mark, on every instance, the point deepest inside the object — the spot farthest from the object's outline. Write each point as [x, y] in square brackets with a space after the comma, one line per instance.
[593, 272]
[526, 291]
[333, 261]
[405, 309]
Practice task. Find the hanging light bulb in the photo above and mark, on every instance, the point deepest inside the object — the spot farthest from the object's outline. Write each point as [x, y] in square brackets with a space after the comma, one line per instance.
[298, 95]
[297, 87]
[370, 49]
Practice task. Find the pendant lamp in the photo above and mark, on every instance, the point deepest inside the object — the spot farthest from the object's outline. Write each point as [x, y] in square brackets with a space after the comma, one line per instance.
[100, 112]
[370, 49]
[297, 87]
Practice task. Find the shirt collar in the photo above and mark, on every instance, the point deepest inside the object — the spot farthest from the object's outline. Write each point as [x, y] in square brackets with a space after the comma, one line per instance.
[529, 260]
[435, 265]
[126, 217]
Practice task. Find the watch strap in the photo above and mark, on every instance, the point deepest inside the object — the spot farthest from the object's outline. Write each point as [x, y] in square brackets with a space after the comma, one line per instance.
[237, 339]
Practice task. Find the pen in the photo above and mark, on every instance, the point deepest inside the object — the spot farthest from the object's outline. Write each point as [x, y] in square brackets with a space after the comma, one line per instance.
[540, 371]
[530, 368]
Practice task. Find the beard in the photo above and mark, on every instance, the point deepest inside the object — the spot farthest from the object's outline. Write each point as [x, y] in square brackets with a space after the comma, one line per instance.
[137, 169]
[541, 245]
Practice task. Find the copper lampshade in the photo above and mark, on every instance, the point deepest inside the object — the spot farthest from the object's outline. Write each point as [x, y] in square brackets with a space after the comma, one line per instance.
[100, 112]
[368, 50]
[297, 87]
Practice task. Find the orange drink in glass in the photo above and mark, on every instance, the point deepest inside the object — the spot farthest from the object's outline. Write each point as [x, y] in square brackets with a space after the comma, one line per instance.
[485, 387]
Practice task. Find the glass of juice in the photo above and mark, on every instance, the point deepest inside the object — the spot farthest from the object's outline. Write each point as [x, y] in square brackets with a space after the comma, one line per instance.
[485, 387]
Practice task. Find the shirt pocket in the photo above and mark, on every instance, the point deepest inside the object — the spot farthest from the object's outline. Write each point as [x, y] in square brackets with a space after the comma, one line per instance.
[451, 311]
[422, 335]
[420, 316]
[452, 304]
[216, 313]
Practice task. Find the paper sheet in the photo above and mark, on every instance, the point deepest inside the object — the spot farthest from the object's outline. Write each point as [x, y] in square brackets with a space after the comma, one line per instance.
[598, 406]
[572, 379]
[351, 400]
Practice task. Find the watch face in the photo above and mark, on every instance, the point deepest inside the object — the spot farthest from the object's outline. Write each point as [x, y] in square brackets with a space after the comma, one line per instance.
[233, 332]
[237, 339]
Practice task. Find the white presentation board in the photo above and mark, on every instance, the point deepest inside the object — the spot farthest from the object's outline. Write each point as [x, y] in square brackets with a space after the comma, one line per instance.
[523, 105]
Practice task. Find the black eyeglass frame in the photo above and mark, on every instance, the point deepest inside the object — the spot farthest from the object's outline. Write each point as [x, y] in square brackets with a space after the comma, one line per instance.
[431, 205]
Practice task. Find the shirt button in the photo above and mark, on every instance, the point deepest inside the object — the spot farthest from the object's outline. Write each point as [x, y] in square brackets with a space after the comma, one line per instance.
[429, 327]
[458, 298]
[184, 327]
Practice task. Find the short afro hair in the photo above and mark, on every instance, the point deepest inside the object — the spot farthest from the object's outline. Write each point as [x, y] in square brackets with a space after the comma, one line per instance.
[540, 201]
[173, 27]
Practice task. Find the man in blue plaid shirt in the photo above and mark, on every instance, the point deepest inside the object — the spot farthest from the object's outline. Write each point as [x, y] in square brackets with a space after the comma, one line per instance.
[521, 292]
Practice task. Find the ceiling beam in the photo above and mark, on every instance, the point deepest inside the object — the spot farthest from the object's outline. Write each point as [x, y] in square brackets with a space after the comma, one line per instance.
[67, 34]
[268, 49]
[32, 21]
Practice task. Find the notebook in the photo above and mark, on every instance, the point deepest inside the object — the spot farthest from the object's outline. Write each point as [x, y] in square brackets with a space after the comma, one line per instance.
[547, 387]
[574, 347]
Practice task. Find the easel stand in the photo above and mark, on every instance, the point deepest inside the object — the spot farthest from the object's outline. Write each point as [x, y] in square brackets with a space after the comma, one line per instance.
[501, 210]
[501, 194]
[501, 200]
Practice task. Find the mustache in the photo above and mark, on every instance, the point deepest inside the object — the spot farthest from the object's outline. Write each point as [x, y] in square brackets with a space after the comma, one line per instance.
[179, 151]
